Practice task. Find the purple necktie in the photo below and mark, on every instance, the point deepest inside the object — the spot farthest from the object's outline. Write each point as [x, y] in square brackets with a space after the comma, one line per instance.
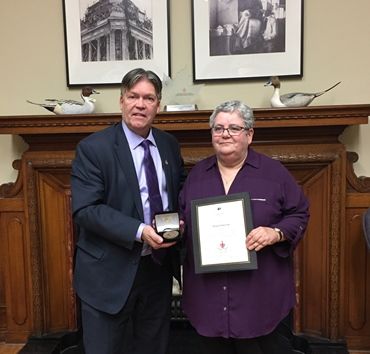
[155, 199]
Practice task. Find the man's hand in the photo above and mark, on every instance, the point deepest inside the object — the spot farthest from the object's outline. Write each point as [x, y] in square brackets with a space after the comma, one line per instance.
[261, 237]
[149, 235]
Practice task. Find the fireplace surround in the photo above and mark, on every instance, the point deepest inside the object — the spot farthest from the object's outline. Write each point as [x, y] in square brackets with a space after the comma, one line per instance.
[332, 265]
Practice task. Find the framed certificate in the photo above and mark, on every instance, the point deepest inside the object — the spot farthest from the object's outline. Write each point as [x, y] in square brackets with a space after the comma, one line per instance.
[220, 226]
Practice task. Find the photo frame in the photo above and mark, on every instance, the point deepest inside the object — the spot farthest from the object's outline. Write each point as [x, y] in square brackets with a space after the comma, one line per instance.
[102, 46]
[247, 39]
[220, 226]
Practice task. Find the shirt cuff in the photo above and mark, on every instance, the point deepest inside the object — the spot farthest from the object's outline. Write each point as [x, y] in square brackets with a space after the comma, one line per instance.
[139, 232]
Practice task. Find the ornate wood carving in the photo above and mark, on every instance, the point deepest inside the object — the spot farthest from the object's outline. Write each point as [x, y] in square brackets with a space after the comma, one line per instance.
[35, 245]
[355, 184]
[50, 163]
[304, 139]
[10, 190]
[334, 248]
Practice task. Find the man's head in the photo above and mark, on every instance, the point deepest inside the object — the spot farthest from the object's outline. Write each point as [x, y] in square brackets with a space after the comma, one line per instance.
[141, 92]
[135, 75]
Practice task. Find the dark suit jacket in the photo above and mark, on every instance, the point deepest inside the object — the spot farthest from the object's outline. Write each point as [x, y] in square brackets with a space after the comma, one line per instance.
[106, 206]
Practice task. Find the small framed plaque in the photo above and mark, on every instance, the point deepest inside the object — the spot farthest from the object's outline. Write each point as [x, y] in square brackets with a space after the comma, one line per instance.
[220, 226]
[180, 107]
[167, 226]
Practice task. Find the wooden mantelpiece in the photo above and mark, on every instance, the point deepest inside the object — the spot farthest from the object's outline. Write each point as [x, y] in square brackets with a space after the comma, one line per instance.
[331, 263]
[319, 116]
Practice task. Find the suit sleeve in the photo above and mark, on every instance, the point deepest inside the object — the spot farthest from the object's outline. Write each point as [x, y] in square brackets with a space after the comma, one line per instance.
[95, 207]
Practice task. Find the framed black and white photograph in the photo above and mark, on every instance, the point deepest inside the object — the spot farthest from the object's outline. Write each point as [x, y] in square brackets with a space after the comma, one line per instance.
[240, 39]
[106, 39]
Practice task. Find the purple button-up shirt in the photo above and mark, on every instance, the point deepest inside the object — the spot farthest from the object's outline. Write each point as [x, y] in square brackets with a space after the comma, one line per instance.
[246, 304]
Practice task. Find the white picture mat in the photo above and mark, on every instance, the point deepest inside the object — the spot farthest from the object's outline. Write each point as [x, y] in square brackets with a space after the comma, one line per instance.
[222, 233]
[112, 72]
[208, 67]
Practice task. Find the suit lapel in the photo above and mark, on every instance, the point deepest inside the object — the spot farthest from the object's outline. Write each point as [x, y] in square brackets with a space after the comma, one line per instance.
[124, 157]
[164, 152]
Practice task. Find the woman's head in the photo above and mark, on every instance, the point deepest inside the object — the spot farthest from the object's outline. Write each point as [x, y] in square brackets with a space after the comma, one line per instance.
[232, 132]
[245, 113]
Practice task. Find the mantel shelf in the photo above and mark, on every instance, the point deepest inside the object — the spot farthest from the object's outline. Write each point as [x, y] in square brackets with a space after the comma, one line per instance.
[315, 116]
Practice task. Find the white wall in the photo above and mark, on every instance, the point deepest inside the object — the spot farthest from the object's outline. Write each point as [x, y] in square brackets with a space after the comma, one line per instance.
[32, 66]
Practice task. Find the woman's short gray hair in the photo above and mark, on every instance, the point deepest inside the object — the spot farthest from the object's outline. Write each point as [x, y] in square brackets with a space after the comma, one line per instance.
[135, 75]
[240, 107]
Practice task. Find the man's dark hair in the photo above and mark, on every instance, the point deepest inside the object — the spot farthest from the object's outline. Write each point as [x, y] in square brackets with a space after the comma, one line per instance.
[135, 75]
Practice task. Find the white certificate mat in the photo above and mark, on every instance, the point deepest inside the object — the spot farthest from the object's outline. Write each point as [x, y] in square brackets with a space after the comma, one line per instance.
[220, 226]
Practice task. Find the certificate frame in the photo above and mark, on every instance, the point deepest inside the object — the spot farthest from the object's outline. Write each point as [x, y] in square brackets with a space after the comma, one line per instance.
[105, 41]
[216, 205]
[224, 50]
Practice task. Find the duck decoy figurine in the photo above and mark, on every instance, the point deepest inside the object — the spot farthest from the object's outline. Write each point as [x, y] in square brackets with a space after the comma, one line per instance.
[70, 106]
[295, 99]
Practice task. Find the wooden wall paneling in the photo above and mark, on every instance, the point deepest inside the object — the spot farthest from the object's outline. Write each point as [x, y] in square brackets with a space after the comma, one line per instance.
[3, 320]
[309, 177]
[15, 291]
[48, 189]
[314, 271]
[32, 209]
[54, 253]
[319, 272]
[356, 283]
[356, 256]
[357, 270]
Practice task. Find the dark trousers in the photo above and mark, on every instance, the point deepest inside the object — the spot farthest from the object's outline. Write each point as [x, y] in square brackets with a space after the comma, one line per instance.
[269, 344]
[149, 308]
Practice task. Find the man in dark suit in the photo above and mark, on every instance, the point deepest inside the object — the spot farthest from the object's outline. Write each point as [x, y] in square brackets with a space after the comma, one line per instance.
[116, 274]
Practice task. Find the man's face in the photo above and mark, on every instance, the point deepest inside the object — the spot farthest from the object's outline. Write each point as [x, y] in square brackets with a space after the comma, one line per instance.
[139, 106]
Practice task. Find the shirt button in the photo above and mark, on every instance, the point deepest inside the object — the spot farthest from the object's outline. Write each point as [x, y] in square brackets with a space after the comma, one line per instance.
[224, 287]
[135, 261]
[225, 308]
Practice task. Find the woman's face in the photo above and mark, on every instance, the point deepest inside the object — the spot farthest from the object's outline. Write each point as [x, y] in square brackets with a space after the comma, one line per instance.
[231, 147]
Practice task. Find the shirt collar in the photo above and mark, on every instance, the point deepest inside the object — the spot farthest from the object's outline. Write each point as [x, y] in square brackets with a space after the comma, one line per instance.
[253, 159]
[133, 139]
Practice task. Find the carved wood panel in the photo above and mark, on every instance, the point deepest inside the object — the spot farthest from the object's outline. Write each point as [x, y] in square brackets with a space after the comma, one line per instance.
[314, 268]
[17, 286]
[356, 262]
[54, 243]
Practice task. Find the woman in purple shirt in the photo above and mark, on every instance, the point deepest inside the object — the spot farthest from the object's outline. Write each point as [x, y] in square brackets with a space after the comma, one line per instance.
[239, 311]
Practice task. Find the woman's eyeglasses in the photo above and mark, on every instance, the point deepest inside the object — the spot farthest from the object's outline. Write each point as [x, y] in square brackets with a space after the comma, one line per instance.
[232, 130]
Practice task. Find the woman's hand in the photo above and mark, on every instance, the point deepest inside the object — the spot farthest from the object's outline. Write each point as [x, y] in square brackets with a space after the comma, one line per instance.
[261, 237]
[182, 227]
